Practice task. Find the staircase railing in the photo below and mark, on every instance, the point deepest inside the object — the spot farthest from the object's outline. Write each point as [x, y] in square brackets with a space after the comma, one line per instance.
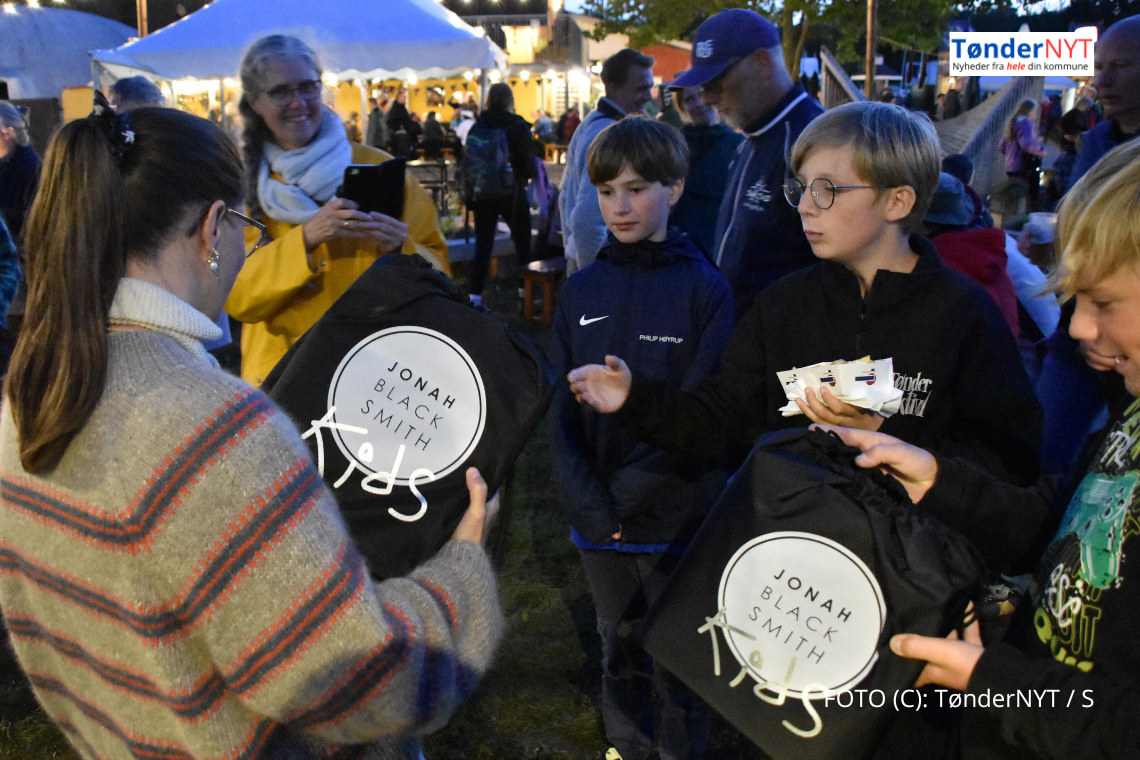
[977, 132]
[835, 87]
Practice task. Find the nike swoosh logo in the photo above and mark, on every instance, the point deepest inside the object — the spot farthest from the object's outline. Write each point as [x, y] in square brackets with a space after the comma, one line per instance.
[583, 321]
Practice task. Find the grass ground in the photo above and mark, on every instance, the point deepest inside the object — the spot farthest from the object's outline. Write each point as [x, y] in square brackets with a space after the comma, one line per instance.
[540, 701]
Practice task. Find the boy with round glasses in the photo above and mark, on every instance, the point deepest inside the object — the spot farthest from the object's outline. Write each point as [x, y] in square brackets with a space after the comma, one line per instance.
[863, 175]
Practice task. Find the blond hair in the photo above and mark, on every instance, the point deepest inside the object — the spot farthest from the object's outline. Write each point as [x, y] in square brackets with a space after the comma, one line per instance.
[890, 147]
[1098, 222]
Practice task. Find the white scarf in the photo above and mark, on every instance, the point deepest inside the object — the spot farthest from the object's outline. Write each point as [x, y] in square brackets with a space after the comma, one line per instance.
[140, 304]
[312, 174]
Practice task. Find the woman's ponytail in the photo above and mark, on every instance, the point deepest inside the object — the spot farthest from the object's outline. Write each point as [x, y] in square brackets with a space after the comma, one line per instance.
[110, 190]
[75, 240]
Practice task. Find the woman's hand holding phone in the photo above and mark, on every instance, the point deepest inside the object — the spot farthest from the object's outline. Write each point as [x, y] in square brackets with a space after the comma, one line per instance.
[339, 218]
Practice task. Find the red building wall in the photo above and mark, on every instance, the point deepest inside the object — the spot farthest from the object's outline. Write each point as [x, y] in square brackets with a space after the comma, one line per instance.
[668, 61]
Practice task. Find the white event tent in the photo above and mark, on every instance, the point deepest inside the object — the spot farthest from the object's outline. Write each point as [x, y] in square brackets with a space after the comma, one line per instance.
[43, 51]
[355, 39]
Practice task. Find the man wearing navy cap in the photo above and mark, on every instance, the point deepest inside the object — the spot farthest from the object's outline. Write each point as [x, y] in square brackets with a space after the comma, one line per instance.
[738, 63]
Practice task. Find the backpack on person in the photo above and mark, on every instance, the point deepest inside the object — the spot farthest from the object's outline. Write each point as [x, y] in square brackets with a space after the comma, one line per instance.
[487, 169]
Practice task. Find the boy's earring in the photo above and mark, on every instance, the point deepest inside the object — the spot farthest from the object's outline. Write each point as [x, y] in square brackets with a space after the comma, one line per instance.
[212, 260]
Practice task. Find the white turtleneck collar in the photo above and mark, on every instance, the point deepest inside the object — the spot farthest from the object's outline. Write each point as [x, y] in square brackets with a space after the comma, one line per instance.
[142, 305]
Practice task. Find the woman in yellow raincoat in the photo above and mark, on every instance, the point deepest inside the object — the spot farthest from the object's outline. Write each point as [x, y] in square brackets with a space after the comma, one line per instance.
[295, 151]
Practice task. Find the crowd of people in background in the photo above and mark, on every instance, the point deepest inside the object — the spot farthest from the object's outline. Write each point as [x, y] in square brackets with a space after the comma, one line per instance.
[390, 126]
[755, 230]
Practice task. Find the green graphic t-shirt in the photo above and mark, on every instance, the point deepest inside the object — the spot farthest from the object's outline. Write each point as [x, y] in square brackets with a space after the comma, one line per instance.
[1086, 610]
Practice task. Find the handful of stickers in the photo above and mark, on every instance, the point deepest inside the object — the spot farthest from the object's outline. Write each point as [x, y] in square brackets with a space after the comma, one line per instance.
[865, 383]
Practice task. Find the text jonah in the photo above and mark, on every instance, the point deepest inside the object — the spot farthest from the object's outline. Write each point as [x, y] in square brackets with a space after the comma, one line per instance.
[400, 396]
[780, 613]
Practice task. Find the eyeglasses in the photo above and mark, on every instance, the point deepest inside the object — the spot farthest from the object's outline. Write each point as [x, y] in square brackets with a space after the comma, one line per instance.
[716, 84]
[822, 191]
[264, 237]
[282, 94]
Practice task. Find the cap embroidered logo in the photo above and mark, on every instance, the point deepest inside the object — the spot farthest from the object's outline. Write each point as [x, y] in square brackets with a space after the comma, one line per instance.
[705, 49]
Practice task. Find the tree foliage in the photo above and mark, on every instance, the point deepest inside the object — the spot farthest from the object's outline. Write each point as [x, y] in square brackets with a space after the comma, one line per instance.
[650, 21]
[1100, 13]
[914, 24]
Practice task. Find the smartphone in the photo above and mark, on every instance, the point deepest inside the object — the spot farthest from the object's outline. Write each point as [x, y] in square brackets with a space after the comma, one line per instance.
[378, 187]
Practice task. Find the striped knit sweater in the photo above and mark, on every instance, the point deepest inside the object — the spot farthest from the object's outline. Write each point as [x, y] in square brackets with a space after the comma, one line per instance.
[182, 585]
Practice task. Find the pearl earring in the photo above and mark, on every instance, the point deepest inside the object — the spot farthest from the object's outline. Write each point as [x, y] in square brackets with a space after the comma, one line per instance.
[212, 260]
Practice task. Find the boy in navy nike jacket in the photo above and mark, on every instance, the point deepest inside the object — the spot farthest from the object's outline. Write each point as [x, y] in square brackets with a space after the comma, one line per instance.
[653, 297]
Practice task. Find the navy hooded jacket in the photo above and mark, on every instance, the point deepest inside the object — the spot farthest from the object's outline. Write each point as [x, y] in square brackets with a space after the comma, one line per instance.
[759, 235]
[668, 313]
[712, 148]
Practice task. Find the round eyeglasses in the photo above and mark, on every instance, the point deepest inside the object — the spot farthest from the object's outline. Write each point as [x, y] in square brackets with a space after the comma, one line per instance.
[822, 191]
[282, 94]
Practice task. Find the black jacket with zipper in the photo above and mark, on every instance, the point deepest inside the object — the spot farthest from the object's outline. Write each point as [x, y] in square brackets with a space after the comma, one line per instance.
[966, 391]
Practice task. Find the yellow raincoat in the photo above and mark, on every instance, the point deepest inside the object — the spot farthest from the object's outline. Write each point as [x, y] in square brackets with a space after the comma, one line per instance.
[278, 296]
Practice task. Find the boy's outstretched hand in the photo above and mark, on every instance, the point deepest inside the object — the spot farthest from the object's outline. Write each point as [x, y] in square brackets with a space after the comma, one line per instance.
[826, 409]
[604, 388]
[915, 468]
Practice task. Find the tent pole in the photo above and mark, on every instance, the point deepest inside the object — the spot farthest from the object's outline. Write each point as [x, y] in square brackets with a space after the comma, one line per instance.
[361, 84]
[140, 11]
[96, 77]
[222, 104]
[871, 66]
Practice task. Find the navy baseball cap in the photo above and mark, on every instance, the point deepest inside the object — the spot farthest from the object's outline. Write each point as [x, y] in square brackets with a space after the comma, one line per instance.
[726, 37]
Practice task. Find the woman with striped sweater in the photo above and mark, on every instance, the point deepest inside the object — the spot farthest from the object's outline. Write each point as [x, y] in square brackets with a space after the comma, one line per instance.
[177, 581]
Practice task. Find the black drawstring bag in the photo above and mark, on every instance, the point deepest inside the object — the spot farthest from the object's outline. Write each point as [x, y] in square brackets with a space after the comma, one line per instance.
[780, 613]
[398, 389]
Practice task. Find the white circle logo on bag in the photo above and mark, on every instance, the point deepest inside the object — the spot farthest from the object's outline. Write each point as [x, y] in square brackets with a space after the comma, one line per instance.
[801, 609]
[410, 388]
